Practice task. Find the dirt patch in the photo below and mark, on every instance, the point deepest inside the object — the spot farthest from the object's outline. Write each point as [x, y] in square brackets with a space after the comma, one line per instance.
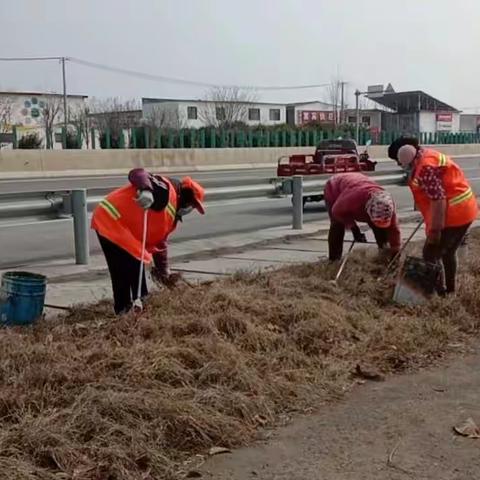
[96, 397]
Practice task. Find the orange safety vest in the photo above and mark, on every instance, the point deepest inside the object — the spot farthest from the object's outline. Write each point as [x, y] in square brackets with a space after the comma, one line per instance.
[119, 219]
[462, 205]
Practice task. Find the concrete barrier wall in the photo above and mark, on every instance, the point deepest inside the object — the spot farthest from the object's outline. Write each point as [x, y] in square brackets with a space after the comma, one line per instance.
[70, 161]
[380, 151]
[31, 161]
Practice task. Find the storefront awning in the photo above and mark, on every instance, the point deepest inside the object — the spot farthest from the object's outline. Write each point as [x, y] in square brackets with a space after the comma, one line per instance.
[411, 102]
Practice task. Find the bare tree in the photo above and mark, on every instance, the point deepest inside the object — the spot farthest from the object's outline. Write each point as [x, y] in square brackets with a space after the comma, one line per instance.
[163, 116]
[80, 119]
[51, 111]
[334, 97]
[226, 106]
[6, 112]
[113, 115]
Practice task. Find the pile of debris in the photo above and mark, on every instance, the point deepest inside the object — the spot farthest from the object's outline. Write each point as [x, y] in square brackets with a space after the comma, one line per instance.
[95, 397]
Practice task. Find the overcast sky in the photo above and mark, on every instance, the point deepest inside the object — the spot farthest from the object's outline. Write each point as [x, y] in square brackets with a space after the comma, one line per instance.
[431, 45]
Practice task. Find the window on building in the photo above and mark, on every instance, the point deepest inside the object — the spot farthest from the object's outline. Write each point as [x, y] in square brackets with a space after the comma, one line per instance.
[352, 119]
[192, 113]
[254, 114]
[275, 114]
[366, 120]
[220, 113]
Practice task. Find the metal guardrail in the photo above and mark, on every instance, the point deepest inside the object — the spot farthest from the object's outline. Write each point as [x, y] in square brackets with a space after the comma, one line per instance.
[35, 204]
[38, 206]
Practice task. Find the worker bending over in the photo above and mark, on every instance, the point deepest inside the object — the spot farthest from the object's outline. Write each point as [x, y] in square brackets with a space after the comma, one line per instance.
[352, 198]
[445, 200]
[119, 222]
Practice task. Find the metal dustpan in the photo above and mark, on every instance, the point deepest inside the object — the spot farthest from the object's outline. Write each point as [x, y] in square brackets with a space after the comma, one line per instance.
[416, 281]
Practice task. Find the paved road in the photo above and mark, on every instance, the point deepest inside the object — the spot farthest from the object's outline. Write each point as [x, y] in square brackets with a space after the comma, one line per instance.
[210, 179]
[22, 244]
[213, 178]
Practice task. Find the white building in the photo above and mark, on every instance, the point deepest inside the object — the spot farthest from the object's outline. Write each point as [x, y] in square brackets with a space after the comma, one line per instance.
[470, 122]
[26, 110]
[416, 111]
[370, 118]
[178, 113]
[307, 112]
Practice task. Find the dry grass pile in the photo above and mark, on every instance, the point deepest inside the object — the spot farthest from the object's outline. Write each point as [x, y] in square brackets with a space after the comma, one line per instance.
[100, 398]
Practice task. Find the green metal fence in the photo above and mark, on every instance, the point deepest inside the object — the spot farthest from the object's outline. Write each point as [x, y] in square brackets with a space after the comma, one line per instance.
[218, 138]
[228, 138]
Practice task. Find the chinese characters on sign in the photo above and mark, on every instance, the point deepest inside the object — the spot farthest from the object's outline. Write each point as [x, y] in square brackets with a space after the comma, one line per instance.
[444, 122]
[308, 116]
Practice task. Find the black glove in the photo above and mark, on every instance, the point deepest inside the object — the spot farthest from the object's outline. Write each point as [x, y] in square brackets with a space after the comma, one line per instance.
[166, 278]
[358, 236]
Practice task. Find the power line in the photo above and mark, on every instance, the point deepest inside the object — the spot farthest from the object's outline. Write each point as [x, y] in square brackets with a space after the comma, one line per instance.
[137, 74]
[27, 59]
[162, 78]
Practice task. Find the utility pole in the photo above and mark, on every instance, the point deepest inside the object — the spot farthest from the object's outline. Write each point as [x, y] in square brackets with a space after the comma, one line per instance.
[342, 103]
[65, 111]
[357, 116]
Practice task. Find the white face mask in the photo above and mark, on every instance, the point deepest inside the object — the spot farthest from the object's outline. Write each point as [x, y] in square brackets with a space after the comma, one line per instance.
[181, 212]
[407, 166]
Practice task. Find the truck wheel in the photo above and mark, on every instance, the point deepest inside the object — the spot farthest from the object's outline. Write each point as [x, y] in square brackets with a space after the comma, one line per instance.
[304, 201]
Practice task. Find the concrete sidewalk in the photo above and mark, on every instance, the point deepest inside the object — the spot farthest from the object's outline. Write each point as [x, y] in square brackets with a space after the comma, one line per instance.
[198, 260]
[70, 285]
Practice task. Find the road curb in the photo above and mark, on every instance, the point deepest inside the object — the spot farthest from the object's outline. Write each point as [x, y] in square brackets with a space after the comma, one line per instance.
[208, 253]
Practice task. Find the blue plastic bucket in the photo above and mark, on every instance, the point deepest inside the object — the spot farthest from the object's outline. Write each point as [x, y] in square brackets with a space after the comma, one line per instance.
[22, 297]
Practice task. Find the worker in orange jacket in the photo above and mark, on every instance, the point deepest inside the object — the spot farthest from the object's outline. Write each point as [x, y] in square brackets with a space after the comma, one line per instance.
[119, 222]
[445, 199]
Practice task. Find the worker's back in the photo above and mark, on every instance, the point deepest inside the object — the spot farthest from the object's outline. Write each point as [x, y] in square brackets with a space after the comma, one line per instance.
[354, 183]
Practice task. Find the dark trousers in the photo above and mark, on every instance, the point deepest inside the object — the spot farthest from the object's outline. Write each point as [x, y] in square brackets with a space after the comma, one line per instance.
[336, 235]
[445, 253]
[124, 271]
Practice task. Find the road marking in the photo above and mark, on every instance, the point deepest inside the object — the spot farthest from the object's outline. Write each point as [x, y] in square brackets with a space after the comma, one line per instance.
[36, 223]
[242, 201]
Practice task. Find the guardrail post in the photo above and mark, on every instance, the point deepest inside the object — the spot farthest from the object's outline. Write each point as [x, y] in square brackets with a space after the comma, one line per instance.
[80, 226]
[297, 200]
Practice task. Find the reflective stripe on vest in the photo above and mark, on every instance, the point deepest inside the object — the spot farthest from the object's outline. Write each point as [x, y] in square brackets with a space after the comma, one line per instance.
[110, 209]
[442, 160]
[171, 210]
[467, 195]
[115, 214]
